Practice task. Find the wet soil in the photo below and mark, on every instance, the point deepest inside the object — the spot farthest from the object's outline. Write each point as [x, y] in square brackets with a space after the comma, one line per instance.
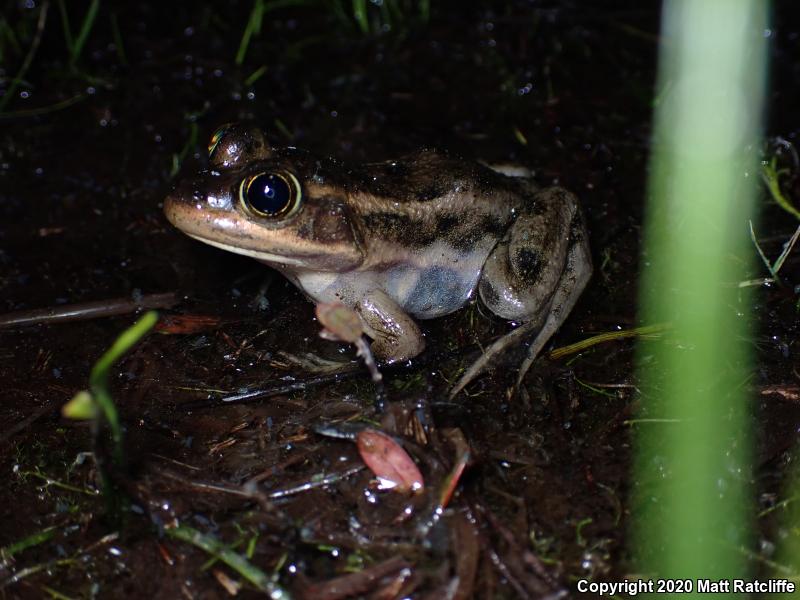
[88, 151]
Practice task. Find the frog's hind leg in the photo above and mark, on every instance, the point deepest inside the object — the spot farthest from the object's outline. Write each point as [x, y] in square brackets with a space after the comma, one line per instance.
[535, 274]
[577, 272]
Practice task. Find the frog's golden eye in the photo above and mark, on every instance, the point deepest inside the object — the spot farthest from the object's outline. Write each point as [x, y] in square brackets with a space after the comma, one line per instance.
[273, 194]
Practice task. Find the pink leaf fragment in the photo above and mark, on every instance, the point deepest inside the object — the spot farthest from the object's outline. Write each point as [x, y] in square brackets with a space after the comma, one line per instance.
[342, 322]
[392, 465]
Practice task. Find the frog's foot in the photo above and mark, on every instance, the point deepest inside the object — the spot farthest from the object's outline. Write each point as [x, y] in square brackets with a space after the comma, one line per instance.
[492, 352]
[395, 334]
[315, 364]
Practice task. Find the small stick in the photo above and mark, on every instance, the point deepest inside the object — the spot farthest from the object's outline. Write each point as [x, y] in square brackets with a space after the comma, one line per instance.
[85, 311]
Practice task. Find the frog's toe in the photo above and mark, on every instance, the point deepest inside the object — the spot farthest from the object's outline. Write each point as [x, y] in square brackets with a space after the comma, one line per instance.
[491, 354]
[392, 349]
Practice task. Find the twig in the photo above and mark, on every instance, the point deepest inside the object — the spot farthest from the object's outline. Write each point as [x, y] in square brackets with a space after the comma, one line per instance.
[85, 311]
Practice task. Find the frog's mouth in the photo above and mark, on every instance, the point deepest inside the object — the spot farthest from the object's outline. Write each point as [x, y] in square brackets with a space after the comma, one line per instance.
[266, 257]
[280, 243]
[226, 230]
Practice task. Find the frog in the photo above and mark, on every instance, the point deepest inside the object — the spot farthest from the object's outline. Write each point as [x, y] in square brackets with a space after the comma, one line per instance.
[396, 241]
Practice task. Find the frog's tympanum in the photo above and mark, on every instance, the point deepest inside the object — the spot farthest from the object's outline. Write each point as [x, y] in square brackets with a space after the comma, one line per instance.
[413, 238]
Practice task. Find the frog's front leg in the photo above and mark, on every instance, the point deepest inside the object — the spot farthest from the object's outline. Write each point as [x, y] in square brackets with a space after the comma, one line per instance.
[535, 274]
[396, 336]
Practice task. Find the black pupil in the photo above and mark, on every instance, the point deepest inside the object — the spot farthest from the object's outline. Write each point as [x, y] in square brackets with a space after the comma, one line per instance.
[269, 194]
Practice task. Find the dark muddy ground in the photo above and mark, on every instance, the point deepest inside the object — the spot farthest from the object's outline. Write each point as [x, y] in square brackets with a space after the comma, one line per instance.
[88, 152]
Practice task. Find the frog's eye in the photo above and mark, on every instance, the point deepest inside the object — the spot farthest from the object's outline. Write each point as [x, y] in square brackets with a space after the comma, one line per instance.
[270, 194]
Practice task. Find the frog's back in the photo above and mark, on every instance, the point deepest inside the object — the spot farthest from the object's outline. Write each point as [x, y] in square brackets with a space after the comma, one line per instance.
[431, 197]
[429, 222]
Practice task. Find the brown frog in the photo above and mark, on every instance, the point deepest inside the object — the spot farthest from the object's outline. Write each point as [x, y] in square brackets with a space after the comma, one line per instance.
[413, 238]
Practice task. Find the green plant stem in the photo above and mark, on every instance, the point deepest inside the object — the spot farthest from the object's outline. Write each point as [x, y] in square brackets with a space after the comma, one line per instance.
[98, 379]
[86, 28]
[234, 560]
[690, 493]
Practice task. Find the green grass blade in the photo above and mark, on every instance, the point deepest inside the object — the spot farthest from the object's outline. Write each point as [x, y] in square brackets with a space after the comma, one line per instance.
[66, 28]
[253, 26]
[86, 28]
[234, 560]
[360, 15]
[425, 11]
[690, 484]
[121, 345]
[45, 535]
[191, 143]
[763, 256]
[98, 379]
[787, 250]
[255, 75]
[771, 179]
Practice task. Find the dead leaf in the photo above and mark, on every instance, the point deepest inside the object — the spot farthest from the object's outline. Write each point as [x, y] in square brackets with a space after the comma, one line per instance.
[391, 464]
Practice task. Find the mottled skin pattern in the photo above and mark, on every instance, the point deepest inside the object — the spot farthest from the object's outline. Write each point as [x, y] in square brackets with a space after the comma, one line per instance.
[398, 240]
